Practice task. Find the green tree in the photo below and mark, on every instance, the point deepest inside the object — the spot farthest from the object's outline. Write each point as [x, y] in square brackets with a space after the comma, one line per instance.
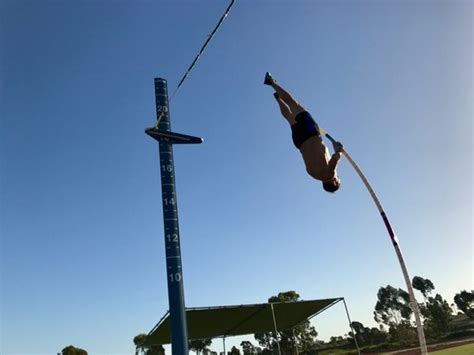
[141, 348]
[139, 340]
[438, 315]
[155, 350]
[234, 351]
[377, 336]
[425, 286]
[366, 336]
[337, 341]
[72, 350]
[465, 302]
[200, 345]
[247, 347]
[360, 333]
[392, 306]
[403, 333]
[303, 335]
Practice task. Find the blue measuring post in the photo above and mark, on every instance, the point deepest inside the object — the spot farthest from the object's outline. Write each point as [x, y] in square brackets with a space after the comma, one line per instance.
[174, 271]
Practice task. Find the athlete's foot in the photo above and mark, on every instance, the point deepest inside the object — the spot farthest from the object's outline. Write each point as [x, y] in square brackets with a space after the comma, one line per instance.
[268, 79]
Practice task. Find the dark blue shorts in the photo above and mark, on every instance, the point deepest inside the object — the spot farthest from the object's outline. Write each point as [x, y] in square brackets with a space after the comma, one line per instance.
[304, 128]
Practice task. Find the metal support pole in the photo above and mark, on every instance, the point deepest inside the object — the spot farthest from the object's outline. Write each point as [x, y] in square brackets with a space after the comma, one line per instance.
[276, 330]
[223, 341]
[179, 331]
[350, 325]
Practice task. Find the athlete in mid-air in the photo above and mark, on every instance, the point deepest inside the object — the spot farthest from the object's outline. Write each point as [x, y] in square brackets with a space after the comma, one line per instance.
[307, 138]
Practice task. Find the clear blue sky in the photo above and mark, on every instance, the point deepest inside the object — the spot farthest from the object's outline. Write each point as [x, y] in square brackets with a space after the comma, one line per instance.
[82, 247]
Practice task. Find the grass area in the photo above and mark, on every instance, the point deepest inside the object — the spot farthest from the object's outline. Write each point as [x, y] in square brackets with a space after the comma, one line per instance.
[458, 350]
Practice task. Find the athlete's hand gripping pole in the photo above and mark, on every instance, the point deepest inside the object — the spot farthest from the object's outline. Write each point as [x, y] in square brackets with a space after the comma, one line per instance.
[338, 147]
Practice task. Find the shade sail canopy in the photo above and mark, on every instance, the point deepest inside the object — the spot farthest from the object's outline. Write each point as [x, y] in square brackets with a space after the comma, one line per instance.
[214, 322]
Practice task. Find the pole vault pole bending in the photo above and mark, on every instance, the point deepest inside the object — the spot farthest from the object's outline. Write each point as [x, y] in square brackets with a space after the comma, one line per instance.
[320, 165]
[393, 237]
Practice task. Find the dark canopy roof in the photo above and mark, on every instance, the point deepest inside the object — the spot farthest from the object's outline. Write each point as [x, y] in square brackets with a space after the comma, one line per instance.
[213, 322]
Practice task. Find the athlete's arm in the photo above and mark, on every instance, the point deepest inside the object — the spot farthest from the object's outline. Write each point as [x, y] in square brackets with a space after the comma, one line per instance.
[332, 163]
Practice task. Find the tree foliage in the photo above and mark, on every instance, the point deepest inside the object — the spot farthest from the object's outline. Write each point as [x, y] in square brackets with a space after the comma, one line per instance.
[403, 333]
[303, 335]
[465, 302]
[138, 341]
[365, 335]
[72, 350]
[392, 307]
[337, 341]
[247, 347]
[141, 348]
[200, 345]
[155, 350]
[438, 315]
[234, 351]
[425, 286]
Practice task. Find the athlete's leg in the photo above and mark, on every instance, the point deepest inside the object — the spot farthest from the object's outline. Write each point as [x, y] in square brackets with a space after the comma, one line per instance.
[294, 105]
[285, 110]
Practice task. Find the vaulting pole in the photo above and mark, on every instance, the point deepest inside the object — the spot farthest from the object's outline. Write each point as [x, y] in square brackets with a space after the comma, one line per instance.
[394, 239]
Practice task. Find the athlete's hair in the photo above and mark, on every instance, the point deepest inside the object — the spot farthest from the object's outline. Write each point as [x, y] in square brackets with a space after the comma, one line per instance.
[331, 186]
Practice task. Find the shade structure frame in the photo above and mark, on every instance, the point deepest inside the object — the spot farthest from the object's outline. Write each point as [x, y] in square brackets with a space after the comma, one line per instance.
[226, 321]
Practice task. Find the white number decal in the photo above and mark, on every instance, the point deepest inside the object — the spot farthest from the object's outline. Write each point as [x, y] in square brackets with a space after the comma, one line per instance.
[169, 201]
[172, 237]
[175, 277]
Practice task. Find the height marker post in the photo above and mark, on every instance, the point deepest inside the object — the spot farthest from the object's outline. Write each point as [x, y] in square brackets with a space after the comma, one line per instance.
[174, 271]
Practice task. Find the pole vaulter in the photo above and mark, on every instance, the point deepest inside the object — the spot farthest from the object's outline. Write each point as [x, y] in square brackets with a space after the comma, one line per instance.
[307, 137]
